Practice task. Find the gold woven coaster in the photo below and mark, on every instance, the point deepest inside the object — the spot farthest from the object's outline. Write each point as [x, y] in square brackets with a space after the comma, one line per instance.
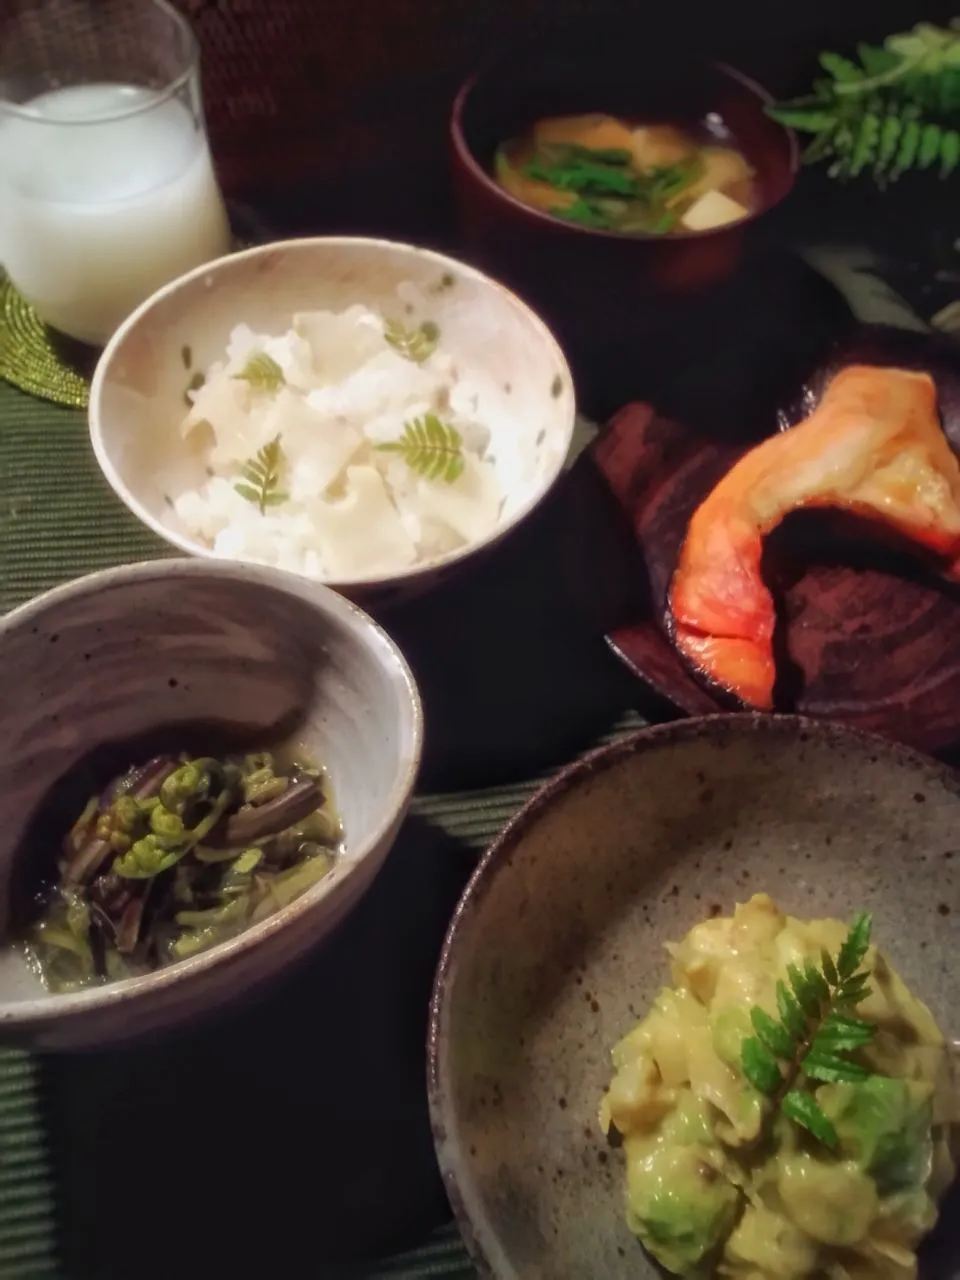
[31, 359]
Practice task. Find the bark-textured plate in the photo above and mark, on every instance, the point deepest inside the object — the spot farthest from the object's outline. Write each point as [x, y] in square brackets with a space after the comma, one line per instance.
[866, 633]
[557, 948]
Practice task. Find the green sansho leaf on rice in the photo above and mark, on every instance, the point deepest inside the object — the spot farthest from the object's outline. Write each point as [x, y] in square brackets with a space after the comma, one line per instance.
[415, 345]
[261, 477]
[431, 448]
[263, 373]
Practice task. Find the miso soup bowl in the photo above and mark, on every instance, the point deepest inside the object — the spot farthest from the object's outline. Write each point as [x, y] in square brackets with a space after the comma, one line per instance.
[573, 75]
[145, 650]
[590, 285]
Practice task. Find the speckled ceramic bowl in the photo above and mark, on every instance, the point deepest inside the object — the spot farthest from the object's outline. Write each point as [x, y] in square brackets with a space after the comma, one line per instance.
[137, 394]
[149, 647]
[557, 948]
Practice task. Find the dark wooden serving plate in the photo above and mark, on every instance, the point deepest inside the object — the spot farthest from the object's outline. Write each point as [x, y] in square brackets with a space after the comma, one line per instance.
[866, 635]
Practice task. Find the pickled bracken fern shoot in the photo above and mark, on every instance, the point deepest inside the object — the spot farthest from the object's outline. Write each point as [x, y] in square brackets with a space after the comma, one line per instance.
[176, 855]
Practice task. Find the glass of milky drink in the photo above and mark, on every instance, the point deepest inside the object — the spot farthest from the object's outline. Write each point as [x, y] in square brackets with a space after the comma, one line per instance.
[107, 190]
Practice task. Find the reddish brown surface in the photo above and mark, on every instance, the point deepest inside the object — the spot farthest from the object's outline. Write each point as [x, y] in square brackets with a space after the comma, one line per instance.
[866, 635]
[334, 114]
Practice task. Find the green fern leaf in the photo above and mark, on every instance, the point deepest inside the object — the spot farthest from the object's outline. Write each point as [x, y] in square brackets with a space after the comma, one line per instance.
[886, 113]
[949, 152]
[417, 344]
[816, 982]
[855, 946]
[907, 149]
[805, 119]
[840, 69]
[431, 448]
[760, 1067]
[926, 48]
[773, 1035]
[890, 130]
[840, 1034]
[929, 145]
[865, 145]
[875, 60]
[817, 1037]
[853, 991]
[805, 992]
[802, 1109]
[791, 1015]
[918, 90]
[262, 372]
[832, 1068]
[261, 477]
[949, 86]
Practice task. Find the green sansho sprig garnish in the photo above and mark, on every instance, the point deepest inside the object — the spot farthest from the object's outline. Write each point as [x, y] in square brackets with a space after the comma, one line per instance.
[894, 108]
[262, 372]
[816, 1037]
[261, 477]
[416, 344]
[431, 448]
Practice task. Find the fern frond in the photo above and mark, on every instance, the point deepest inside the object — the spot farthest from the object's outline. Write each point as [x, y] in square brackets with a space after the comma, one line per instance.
[816, 1036]
[866, 143]
[930, 141]
[261, 477]
[760, 1067]
[890, 131]
[790, 1012]
[893, 109]
[431, 448]
[949, 152]
[907, 149]
[876, 60]
[810, 119]
[804, 1110]
[773, 1035]
[840, 69]
[417, 344]
[855, 947]
[262, 372]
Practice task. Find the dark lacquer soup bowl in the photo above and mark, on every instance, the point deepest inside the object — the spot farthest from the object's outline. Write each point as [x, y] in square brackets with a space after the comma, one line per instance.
[565, 267]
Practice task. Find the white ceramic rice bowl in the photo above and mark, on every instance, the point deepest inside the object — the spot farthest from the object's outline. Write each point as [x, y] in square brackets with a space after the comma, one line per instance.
[137, 399]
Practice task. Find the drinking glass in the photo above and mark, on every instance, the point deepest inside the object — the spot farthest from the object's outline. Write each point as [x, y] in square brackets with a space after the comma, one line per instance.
[107, 190]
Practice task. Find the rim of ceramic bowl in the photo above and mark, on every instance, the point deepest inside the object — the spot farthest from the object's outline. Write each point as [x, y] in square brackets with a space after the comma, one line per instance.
[48, 1007]
[221, 265]
[480, 1239]
[468, 159]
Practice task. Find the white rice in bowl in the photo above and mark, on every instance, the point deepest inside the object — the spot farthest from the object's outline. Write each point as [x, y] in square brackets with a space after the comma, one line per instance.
[292, 429]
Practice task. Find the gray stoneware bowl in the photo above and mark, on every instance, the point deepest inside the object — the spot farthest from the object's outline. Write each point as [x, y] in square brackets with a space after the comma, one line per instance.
[556, 949]
[135, 650]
